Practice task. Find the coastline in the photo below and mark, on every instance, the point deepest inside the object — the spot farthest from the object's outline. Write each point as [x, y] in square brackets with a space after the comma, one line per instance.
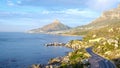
[61, 34]
[57, 61]
[53, 62]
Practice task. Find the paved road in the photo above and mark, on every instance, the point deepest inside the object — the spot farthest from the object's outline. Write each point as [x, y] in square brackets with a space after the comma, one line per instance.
[97, 61]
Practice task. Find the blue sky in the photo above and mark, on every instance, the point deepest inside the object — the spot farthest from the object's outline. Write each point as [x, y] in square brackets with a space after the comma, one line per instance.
[23, 15]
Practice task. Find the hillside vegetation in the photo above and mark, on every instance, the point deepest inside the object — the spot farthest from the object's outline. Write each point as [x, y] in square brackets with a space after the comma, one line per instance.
[103, 34]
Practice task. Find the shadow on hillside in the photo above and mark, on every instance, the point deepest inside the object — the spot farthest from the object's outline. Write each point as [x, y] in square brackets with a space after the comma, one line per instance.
[117, 62]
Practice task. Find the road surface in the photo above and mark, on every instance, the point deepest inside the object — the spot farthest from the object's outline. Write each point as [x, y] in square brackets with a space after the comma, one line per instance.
[97, 61]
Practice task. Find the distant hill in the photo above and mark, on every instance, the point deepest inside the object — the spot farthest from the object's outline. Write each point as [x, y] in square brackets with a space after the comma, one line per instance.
[107, 18]
[56, 25]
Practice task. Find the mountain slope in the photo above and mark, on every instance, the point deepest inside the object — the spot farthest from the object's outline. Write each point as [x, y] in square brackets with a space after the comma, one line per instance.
[104, 35]
[54, 26]
[107, 18]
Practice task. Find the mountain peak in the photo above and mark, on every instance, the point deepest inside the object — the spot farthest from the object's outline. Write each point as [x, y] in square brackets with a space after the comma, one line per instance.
[56, 25]
[56, 21]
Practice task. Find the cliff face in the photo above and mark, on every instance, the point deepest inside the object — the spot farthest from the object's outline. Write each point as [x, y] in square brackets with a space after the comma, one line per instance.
[54, 26]
[109, 15]
[112, 14]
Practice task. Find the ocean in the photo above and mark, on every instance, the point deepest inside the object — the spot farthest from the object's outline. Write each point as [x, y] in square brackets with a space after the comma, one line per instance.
[20, 50]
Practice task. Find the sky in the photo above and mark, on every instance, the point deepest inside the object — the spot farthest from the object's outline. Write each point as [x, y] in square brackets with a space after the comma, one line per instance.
[23, 15]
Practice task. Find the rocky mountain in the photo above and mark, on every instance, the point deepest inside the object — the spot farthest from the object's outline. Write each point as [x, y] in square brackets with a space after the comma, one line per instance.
[113, 14]
[55, 26]
[107, 18]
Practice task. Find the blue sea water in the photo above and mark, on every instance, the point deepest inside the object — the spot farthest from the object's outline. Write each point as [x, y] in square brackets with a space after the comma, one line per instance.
[20, 50]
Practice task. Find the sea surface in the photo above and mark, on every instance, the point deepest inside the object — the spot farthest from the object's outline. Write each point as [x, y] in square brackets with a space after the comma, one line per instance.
[20, 50]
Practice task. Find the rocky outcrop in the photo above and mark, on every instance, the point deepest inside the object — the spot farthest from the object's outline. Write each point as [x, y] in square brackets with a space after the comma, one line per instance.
[73, 44]
[76, 44]
[55, 44]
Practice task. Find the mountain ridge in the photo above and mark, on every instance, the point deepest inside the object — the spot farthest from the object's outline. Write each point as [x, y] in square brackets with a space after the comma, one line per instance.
[107, 18]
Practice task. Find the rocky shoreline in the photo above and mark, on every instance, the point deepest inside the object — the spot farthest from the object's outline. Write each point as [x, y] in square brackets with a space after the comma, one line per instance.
[79, 54]
[56, 62]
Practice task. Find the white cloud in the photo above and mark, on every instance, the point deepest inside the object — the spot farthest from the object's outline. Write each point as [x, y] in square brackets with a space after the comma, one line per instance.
[101, 4]
[19, 2]
[75, 12]
[10, 3]
[46, 12]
